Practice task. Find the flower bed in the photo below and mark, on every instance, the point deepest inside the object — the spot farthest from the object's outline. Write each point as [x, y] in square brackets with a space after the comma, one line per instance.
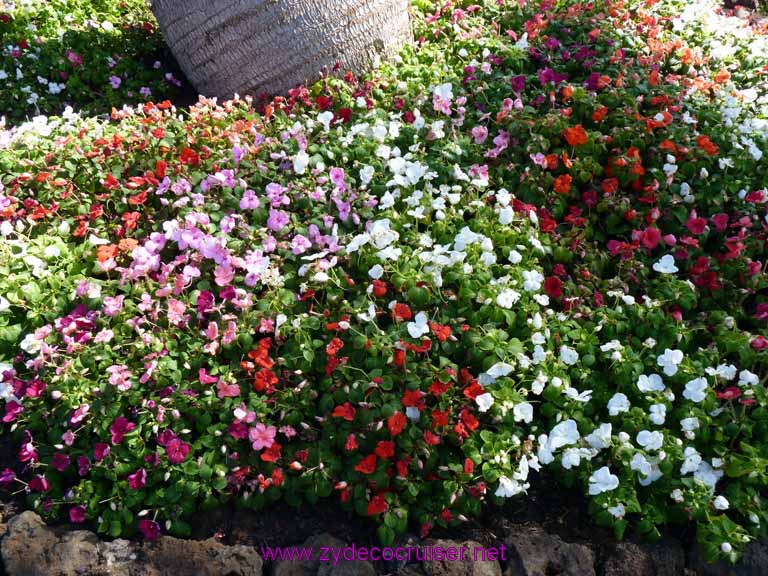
[92, 54]
[536, 241]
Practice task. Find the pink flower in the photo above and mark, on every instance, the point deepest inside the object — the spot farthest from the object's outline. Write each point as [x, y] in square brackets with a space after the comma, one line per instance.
[77, 514]
[177, 451]
[249, 201]
[138, 479]
[262, 436]
[149, 528]
[759, 343]
[176, 310]
[119, 376]
[113, 305]
[74, 58]
[480, 133]
[225, 390]
[120, 427]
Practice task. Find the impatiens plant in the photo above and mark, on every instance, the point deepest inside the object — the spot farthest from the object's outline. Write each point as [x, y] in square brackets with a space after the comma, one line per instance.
[94, 54]
[538, 242]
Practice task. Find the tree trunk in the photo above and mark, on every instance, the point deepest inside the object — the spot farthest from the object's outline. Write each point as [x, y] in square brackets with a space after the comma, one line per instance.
[269, 46]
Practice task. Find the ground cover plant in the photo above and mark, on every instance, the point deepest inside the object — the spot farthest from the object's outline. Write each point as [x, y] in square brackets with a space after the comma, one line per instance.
[536, 241]
[92, 54]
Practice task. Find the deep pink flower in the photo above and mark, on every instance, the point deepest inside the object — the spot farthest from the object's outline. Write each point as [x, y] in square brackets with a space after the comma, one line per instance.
[138, 479]
[79, 414]
[60, 461]
[12, 410]
[7, 476]
[177, 451]
[759, 343]
[101, 451]
[83, 465]
[39, 484]
[77, 514]
[120, 427]
[149, 528]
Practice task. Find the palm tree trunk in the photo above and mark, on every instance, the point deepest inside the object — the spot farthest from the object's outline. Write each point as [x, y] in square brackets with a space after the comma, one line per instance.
[269, 46]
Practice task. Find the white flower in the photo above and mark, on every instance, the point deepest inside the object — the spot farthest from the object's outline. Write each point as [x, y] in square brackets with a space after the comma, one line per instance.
[420, 327]
[600, 437]
[563, 434]
[650, 440]
[484, 402]
[532, 280]
[747, 378]
[617, 404]
[666, 265]
[444, 91]
[300, 162]
[507, 298]
[413, 413]
[325, 119]
[509, 487]
[726, 548]
[381, 235]
[515, 257]
[708, 476]
[523, 412]
[658, 413]
[721, 503]
[4, 304]
[617, 511]
[725, 371]
[602, 481]
[577, 396]
[571, 458]
[669, 361]
[368, 315]
[692, 461]
[689, 424]
[650, 383]
[695, 390]
[499, 370]
[30, 344]
[376, 271]
[568, 355]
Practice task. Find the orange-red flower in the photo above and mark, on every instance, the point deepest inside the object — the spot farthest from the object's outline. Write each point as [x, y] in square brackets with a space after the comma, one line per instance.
[563, 184]
[707, 145]
[575, 135]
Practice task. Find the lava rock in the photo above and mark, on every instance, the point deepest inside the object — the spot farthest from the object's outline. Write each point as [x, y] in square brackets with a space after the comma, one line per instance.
[460, 567]
[533, 552]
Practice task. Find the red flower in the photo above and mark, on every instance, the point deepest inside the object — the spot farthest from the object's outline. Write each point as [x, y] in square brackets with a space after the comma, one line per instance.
[650, 237]
[377, 505]
[431, 438]
[385, 449]
[441, 332]
[469, 466]
[379, 288]
[562, 184]
[730, 393]
[412, 398]
[271, 454]
[396, 423]
[335, 345]
[469, 419]
[401, 312]
[367, 465]
[351, 443]
[345, 411]
[439, 418]
[189, 157]
[264, 380]
[707, 145]
[110, 182]
[553, 287]
[437, 388]
[575, 136]
[399, 357]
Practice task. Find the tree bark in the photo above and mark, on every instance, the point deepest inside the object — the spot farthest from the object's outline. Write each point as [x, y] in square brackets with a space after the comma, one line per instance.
[269, 46]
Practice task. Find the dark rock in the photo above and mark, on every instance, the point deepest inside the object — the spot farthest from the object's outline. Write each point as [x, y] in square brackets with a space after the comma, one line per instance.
[533, 552]
[664, 558]
[466, 567]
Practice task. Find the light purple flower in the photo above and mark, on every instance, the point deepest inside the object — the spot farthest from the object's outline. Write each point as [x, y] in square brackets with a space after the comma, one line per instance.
[249, 201]
[115, 81]
[300, 244]
[277, 220]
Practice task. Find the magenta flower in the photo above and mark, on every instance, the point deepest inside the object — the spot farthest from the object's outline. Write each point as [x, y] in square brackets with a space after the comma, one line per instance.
[120, 427]
[7, 476]
[479, 133]
[39, 484]
[12, 410]
[74, 58]
[138, 479]
[77, 514]
[262, 436]
[177, 451]
[83, 465]
[60, 461]
[101, 451]
[518, 83]
[149, 528]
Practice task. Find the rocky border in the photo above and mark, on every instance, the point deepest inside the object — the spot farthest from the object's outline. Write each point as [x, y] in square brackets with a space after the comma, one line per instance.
[29, 547]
